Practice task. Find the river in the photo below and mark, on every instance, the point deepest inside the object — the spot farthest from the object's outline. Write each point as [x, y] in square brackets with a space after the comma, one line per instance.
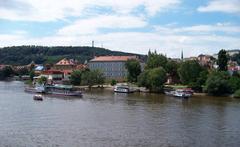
[104, 119]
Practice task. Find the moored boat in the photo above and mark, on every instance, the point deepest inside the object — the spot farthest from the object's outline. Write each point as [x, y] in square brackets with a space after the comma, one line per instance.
[38, 97]
[62, 90]
[182, 93]
[123, 89]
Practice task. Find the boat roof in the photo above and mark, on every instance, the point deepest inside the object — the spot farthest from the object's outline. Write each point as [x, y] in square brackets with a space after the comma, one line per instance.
[60, 86]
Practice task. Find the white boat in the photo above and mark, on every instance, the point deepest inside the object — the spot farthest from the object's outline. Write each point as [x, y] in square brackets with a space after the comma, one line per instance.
[123, 89]
[182, 93]
[38, 97]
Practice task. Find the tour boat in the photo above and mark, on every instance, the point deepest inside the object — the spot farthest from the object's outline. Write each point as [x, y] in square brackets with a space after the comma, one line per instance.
[62, 90]
[38, 97]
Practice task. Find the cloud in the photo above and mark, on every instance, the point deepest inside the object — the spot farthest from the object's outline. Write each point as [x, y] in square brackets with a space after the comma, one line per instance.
[92, 25]
[52, 10]
[136, 42]
[226, 6]
[226, 28]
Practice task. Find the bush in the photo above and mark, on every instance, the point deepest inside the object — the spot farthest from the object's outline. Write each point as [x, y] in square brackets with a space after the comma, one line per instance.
[237, 94]
[113, 82]
[153, 79]
[217, 84]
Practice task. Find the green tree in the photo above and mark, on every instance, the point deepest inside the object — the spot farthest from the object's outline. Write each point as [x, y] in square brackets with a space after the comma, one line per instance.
[6, 72]
[217, 83]
[153, 79]
[76, 77]
[113, 82]
[189, 72]
[155, 60]
[94, 77]
[172, 70]
[143, 79]
[42, 80]
[134, 69]
[234, 82]
[222, 60]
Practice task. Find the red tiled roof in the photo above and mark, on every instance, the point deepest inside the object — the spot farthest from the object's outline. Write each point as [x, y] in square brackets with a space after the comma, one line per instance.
[113, 58]
[65, 62]
[49, 72]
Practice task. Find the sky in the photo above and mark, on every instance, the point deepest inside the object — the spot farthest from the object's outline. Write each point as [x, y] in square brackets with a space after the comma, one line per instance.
[136, 26]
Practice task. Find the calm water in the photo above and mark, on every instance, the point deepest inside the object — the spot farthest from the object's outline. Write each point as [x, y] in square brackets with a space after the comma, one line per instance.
[102, 119]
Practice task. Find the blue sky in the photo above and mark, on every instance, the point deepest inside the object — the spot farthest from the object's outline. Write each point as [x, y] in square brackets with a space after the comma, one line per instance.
[168, 26]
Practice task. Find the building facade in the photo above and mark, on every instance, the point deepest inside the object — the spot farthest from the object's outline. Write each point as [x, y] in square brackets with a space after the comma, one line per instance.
[113, 67]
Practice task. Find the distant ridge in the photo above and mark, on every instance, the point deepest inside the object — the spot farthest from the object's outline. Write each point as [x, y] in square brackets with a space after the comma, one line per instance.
[22, 55]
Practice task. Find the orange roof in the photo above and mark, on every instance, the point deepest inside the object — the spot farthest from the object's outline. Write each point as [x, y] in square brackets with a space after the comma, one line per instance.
[50, 72]
[113, 58]
[65, 62]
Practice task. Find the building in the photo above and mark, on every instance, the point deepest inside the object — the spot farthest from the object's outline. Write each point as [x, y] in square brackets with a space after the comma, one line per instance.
[52, 74]
[67, 66]
[113, 67]
[206, 60]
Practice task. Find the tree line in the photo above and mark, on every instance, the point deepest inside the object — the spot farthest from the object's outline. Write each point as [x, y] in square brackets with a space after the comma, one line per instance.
[201, 79]
[23, 55]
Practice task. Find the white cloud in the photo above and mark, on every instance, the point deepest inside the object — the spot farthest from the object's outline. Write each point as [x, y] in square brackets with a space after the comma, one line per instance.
[136, 42]
[51, 10]
[226, 28]
[227, 6]
[91, 26]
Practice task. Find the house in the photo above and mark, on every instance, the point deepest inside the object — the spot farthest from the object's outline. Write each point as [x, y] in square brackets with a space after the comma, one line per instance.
[67, 66]
[205, 60]
[52, 74]
[113, 67]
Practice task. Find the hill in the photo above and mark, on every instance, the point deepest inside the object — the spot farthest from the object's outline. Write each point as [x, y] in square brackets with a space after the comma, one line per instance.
[22, 55]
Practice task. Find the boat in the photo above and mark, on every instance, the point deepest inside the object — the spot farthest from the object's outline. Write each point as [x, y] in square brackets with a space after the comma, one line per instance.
[62, 90]
[36, 89]
[182, 93]
[38, 97]
[123, 88]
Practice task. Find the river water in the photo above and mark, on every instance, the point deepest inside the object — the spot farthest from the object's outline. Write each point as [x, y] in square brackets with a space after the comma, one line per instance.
[105, 119]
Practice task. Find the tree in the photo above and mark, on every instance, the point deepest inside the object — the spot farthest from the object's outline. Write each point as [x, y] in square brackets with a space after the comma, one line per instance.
[42, 80]
[93, 77]
[217, 83]
[222, 60]
[6, 72]
[156, 60]
[134, 69]
[189, 72]
[113, 82]
[234, 82]
[76, 77]
[153, 79]
[172, 70]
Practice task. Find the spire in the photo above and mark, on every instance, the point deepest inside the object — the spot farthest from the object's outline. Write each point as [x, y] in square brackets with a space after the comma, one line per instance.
[182, 55]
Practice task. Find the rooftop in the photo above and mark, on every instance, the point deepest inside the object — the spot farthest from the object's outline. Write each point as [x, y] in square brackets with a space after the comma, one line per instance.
[113, 58]
[66, 62]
